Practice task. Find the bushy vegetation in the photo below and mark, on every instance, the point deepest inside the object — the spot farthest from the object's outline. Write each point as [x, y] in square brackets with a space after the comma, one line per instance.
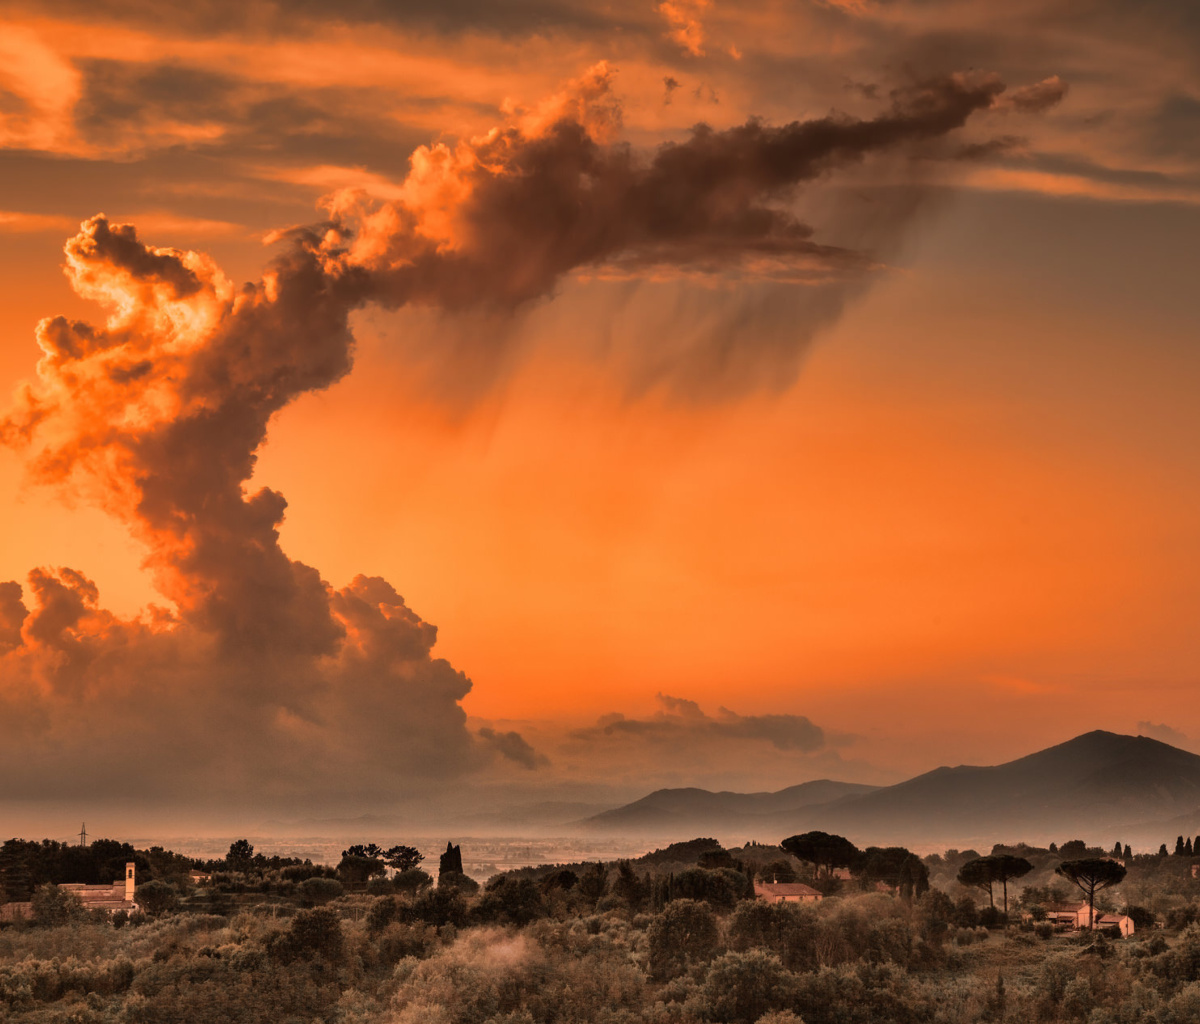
[675, 939]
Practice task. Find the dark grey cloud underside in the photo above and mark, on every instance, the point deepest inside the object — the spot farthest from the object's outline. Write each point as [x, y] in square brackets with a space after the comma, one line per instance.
[1175, 127]
[45, 183]
[451, 17]
[264, 120]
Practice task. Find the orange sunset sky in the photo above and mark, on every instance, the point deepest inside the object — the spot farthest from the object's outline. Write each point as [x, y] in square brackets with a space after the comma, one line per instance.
[748, 393]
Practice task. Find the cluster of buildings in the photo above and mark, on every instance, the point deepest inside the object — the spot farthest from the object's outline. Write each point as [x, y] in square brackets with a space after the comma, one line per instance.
[109, 898]
[1076, 916]
[120, 896]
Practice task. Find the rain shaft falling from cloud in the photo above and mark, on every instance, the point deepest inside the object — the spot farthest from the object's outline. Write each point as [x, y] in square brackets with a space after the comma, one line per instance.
[256, 668]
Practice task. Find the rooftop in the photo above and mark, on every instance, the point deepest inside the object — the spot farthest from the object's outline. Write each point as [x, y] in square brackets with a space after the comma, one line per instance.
[785, 889]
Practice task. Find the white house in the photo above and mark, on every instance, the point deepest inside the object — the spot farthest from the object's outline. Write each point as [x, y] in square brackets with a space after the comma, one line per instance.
[786, 892]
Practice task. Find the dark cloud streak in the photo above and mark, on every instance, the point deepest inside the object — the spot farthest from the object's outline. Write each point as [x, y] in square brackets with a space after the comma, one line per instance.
[512, 746]
[542, 206]
[682, 721]
[284, 18]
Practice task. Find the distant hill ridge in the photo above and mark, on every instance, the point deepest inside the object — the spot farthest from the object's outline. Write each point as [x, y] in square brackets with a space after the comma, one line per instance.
[1100, 786]
[680, 806]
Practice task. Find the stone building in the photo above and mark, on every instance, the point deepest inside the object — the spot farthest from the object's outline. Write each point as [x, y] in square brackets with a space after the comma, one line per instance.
[111, 898]
[118, 896]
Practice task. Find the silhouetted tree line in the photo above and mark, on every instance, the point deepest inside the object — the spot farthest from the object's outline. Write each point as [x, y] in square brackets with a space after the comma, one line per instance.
[664, 941]
[26, 864]
[893, 867]
[242, 858]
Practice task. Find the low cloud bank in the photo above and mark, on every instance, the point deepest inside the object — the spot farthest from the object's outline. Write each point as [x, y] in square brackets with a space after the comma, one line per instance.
[682, 720]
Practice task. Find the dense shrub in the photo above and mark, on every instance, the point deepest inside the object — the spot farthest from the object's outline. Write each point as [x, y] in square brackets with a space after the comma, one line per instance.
[1179, 918]
[1142, 918]
[860, 994]
[380, 886]
[779, 870]
[382, 913]
[55, 906]
[157, 898]
[992, 917]
[936, 914]
[397, 941]
[741, 987]
[315, 891]
[411, 880]
[531, 949]
[720, 888]
[966, 913]
[456, 880]
[302, 872]
[593, 884]
[510, 901]
[441, 906]
[685, 933]
[788, 930]
[564, 879]
[311, 934]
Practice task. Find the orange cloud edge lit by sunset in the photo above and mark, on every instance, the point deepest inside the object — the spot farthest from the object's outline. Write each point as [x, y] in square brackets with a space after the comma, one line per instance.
[868, 438]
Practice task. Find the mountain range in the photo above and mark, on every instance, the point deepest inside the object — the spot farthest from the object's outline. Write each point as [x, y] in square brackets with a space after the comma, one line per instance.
[693, 808]
[1101, 787]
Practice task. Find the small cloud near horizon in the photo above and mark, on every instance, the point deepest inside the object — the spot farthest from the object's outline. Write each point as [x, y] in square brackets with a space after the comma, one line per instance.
[681, 744]
[1165, 734]
[679, 716]
[513, 747]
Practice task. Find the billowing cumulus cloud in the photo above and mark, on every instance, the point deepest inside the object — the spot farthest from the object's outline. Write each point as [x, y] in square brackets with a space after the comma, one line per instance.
[501, 218]
[258, 668]
[684, 25]
[211, 100]
[255, 668]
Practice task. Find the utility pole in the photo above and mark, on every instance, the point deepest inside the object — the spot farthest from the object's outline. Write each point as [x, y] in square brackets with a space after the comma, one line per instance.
[83, 834]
